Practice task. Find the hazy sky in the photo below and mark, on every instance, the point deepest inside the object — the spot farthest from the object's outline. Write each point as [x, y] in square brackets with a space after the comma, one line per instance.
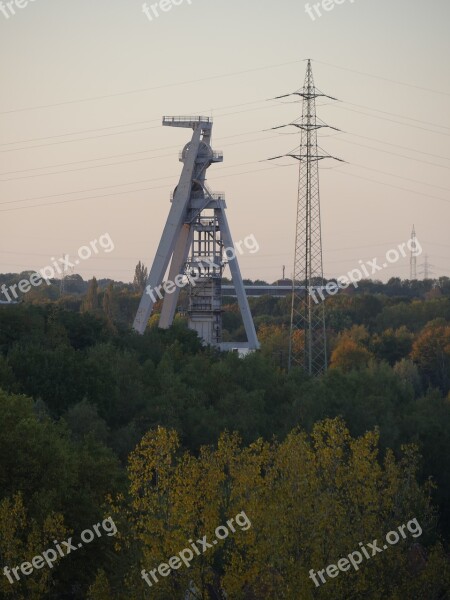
[83, 152]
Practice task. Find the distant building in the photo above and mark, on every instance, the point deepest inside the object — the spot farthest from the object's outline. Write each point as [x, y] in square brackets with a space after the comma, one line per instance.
[278, 291]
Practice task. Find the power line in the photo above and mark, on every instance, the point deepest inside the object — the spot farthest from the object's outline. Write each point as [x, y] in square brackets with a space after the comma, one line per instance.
[435, 243]
[51, 137]
[158, 87]
[193, 112]
[85, 191]
[411, 85]
[131, 191]
[397, 187]
[400, 177]
[397, 115]
[125, 124]
[218, 177]
[125, 132]
[226, 137]
[424, 162]
[375, 116]
[115, 185]
[77, 162]
[119, 163]
[364, 137]
[122, 162]
[94, 137]
[391, 120]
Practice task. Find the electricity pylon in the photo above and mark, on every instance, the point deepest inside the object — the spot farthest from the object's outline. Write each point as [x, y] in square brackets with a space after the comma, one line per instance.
[426, 269]
[413, 256]
[308, 340]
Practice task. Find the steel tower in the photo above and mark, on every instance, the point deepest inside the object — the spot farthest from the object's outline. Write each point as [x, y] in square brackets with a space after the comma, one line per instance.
[197, 243]
[308, 342]
[426, 268]
[413, 256]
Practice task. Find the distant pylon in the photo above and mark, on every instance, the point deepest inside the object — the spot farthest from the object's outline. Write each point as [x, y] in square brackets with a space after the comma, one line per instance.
[413, 256]
[426, 269]
[308, 340]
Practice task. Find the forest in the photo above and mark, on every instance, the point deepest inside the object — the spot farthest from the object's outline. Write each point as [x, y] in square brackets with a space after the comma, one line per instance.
[170, 439]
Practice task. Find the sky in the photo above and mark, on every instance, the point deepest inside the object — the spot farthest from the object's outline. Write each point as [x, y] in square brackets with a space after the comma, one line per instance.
[84, 153]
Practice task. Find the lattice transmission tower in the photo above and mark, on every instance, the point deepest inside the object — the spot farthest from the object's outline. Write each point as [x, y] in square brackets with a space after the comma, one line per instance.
[426, 268]
[308, 340]
[413, 256]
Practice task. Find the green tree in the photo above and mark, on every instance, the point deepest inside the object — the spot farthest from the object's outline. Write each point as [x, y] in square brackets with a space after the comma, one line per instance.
[392, 345]
[109, 306]
[100, 589]
[431, 353]
[48, 480]
[90, 302]
[140, 277]
[409, 374]
[21, 538]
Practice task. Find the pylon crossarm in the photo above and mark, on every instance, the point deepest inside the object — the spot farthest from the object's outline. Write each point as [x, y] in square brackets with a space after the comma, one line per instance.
[306, 95]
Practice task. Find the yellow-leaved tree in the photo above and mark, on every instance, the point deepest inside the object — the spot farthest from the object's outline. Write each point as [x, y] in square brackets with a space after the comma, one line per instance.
[21, 539]
[311, 500]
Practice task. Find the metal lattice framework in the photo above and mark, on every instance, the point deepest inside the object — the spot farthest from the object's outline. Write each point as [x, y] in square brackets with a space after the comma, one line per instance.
[426, 268]
[308, 343]
[413, 256]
